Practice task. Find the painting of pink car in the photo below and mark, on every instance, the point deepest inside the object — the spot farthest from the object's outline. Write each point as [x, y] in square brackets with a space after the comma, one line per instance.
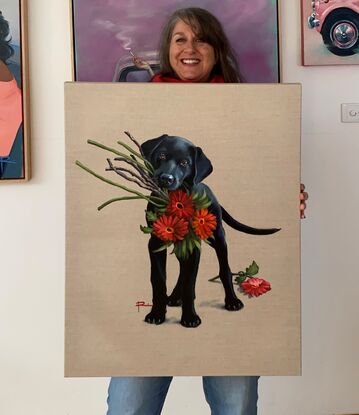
[338, 23]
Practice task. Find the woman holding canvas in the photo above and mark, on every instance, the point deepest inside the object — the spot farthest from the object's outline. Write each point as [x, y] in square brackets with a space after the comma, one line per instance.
[194, 48]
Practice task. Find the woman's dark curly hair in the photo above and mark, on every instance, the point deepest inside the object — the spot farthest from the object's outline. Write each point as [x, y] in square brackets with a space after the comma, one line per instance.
[209, 29]
[6, 51]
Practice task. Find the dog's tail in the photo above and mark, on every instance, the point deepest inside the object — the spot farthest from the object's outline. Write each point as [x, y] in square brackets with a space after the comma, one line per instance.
[244, 228]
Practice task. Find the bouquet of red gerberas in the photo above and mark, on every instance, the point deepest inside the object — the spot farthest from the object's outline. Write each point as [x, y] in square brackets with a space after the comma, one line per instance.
[178, 218]
[183, 223]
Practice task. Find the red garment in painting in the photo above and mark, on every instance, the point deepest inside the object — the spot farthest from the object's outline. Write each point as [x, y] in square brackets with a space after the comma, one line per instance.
[10, 115]
[217, 79]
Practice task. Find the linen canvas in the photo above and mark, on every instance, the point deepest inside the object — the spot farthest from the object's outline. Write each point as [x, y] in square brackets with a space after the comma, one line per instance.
[250, 134]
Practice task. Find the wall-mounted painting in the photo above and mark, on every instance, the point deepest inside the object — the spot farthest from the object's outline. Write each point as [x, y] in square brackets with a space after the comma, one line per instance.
[14, 119]
[106, 35]
[182, 229]
[330, 32]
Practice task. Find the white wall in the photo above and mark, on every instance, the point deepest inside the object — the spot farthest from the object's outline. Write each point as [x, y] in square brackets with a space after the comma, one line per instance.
[32, 247]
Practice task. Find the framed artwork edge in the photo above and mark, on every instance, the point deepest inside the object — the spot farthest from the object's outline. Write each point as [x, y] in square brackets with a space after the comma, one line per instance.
[23, 14]
[25, 88]
[279, 41]
[72, 39]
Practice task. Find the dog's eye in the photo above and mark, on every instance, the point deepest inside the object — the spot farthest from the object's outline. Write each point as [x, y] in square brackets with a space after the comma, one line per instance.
[162, 156]
[183, 163]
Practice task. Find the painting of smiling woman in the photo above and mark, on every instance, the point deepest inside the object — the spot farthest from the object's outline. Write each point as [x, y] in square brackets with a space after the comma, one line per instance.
[11, 110]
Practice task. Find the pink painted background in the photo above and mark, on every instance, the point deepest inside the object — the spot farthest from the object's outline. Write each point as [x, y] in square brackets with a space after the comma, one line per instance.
[103, 29]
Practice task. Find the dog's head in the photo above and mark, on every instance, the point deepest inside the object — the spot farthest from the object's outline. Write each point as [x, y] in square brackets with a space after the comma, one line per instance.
[177, 161]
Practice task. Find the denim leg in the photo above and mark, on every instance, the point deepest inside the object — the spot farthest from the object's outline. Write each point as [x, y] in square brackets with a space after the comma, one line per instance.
[231, 395]
[137, 395]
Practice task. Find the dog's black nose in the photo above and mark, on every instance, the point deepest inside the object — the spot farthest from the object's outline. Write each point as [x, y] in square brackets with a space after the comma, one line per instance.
[166, 179]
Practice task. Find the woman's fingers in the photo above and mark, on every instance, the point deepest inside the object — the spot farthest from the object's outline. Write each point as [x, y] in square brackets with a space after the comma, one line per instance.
[303, 196]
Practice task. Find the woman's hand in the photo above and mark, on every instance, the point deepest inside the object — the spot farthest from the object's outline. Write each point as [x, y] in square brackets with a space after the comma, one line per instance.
[142, 64]
[303, 196]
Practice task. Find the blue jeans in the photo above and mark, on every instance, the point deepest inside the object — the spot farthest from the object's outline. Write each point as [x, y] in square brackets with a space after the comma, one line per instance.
[226, 395]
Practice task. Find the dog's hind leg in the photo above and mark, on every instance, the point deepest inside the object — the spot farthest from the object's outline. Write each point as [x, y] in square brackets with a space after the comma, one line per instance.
[231, 302]
[175, 299]
[158, 281]
[188, 275]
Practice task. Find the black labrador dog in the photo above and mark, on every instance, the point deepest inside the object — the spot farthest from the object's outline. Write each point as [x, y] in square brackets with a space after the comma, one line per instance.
[178, 163]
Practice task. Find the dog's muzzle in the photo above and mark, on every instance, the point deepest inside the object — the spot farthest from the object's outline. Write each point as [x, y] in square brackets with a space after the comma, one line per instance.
[166, 180]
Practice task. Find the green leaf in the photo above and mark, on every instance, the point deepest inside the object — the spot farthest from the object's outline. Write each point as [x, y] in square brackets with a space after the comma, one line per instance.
[162, 209]
[146, 229]
[203, 197]
[240, 279]
[252, 269]
[151, 216]
[194, 196]
[190, 245]
[197, 243]
[163, 247]
[206, 205]
[183, 248]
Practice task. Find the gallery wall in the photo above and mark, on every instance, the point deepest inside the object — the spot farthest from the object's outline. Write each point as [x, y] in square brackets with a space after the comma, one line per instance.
[32, 247]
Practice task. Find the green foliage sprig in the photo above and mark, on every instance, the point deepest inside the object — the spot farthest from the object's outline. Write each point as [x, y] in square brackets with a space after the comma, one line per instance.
[133, 167]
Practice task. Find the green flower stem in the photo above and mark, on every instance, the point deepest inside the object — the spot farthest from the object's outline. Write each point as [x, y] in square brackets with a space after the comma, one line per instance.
[113, 150]
[131, 150]
[117, 199]
[141, 195]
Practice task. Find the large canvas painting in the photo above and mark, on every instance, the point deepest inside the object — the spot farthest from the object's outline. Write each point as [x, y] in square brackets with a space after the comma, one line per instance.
[14, 119]
[107, 33]
[330, 32]
[182, 229]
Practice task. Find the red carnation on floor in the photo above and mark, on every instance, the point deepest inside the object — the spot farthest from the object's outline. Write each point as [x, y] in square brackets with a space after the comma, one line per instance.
[204, 223]
[170, 228]
[180, 204]
[255, 286]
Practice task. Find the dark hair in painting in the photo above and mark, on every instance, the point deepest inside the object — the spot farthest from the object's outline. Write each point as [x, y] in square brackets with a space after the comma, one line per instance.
[6, 51]
[209, 29]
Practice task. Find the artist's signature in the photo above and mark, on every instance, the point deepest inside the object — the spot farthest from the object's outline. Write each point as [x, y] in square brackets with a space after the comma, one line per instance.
[140, 304]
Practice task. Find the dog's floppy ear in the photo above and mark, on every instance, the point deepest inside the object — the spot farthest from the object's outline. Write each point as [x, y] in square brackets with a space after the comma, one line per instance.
[202, 166]
[149, 146]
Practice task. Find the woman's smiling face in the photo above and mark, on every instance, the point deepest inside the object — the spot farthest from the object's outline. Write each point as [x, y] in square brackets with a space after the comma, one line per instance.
[190, 57]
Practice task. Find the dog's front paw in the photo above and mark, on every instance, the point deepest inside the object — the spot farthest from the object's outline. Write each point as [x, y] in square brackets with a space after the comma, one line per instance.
[156, 317]
[233, 304]
[190, 320]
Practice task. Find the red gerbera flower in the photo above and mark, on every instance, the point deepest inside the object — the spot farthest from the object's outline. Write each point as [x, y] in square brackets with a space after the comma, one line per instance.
[204, 223]
[255, 286]
[170, 228]
[180, 204]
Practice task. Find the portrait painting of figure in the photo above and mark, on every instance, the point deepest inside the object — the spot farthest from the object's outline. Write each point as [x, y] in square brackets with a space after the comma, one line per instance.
[108, 36]
[13, 145]
[330, 32]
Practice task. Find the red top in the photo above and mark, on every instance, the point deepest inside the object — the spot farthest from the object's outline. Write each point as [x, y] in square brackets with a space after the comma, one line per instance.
[217, 79]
